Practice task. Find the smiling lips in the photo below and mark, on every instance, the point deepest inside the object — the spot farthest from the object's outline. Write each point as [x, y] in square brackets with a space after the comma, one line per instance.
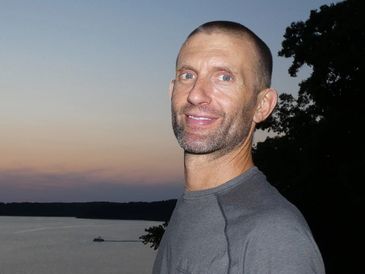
[199, 120]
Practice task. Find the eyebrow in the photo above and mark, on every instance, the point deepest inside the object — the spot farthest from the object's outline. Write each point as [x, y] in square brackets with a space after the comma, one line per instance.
[217, 68]
[184, 67]
[225, 68]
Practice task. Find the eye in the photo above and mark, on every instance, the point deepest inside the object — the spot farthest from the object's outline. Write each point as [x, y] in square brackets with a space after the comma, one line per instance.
[186, 76]
[225, 77]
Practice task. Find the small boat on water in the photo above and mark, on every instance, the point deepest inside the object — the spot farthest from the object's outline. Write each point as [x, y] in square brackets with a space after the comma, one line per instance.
[98, 239]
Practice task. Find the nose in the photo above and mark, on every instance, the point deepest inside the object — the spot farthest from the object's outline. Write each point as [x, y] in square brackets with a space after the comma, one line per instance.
[199, 93]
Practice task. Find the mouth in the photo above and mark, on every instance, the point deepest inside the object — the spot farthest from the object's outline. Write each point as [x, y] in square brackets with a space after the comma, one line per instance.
[199, 120]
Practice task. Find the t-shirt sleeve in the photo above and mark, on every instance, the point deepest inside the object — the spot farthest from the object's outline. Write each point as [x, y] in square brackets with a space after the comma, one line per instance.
[277, 246]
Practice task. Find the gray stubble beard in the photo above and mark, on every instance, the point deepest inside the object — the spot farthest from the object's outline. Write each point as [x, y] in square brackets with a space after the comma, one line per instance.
[224, 140]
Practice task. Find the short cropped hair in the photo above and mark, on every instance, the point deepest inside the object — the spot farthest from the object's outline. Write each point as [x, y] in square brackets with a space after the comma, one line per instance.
[264, 63]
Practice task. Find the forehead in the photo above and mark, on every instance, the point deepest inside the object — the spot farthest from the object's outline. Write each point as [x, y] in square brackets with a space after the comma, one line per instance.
[235, 50]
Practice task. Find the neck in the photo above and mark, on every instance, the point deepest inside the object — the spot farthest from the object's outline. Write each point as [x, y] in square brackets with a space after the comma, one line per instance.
[206, 171]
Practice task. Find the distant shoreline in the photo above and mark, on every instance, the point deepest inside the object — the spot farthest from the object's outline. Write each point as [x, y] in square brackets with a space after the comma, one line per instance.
[149, 211]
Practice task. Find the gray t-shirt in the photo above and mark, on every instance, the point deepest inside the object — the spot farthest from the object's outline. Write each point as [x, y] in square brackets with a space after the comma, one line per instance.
[243, 226]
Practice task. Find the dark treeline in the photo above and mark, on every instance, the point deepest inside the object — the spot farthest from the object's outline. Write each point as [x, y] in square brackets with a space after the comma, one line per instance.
[154, 211]
[317, 159]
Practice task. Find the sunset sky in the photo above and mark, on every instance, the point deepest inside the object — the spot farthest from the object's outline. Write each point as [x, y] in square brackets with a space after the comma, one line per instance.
[84, 106]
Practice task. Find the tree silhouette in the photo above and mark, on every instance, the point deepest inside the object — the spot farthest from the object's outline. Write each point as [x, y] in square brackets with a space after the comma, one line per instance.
[154, 235]
[317, 158]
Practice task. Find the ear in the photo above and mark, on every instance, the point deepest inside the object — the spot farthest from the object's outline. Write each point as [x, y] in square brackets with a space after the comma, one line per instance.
[266, 102]
[171, 87]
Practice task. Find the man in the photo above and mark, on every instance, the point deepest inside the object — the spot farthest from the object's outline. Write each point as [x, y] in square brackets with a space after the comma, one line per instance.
[230, 219]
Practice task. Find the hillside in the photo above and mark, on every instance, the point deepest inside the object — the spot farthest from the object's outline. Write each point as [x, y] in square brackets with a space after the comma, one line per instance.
[156, 211]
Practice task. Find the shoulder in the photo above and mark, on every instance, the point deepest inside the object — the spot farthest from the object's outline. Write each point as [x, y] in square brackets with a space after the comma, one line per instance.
[254, 198]
[257, 210]
[270, 234]
[279, 226]
[281, 243]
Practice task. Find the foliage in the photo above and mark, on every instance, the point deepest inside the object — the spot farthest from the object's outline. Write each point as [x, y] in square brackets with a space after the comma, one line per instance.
[320, 130]
[318, 156]
[154, 235]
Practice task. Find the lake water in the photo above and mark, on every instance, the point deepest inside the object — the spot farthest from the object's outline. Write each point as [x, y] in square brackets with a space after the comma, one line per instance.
[48, 245]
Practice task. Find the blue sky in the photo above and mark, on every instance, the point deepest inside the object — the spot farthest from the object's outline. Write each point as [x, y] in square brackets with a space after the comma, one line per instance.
[84, 106]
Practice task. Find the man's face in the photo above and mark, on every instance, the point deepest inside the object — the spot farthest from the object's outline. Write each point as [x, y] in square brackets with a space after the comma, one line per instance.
[213, 93]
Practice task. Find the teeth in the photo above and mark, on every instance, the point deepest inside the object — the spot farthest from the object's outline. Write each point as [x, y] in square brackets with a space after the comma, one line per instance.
[199, 118]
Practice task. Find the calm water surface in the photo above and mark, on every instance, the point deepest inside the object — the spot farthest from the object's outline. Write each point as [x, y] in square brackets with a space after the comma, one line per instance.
[47, 245]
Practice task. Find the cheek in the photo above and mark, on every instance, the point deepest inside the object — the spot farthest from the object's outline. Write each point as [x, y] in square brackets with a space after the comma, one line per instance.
[229, 102]
[177, 101]
[175, 98]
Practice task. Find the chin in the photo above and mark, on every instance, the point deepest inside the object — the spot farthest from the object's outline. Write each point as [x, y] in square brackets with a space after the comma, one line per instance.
[197, 147]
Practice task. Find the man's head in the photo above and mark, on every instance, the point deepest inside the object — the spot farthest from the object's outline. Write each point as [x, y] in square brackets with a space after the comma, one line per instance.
[264, 62]
[221, 89]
